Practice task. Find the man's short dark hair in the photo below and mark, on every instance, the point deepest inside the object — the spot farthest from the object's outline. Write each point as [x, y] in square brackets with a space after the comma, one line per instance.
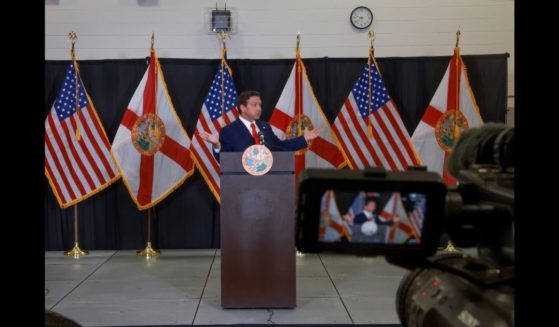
[244, 96]
[370, 199]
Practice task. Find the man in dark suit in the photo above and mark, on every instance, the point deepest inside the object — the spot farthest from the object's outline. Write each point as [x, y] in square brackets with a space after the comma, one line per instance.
[368, 212]
[248, 130]
[375, 228]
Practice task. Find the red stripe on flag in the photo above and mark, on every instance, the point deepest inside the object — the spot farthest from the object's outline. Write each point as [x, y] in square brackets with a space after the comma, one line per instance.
[454, 68]
[207, 154]
[65, 156]
[338, 228]
[129, 119]
[215, 122]
[299, 165]
[405, 228]
[177, 153]
[298, 86]
[391, 233]
[77, 157]
[381, 143]
[327, 151]
[61, 172]
[351, 162]
[362, 134]
[431, 116]
[402, 138]
[226, 119]
[353, 142]
[53, 177]
[102, 156]
[96, 125]
[206, 172]
[145, 187]
[280, 119]
[149, 89]
[386, 215]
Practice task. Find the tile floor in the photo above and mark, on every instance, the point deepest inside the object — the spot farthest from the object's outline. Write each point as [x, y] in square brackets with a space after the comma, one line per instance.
[119, 288]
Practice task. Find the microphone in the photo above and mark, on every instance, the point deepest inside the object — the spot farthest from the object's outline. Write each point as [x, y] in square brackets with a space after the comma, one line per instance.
[261, 137]
[492, 143]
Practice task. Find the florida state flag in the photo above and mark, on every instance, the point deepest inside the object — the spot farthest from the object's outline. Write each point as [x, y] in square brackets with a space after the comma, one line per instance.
[151, 146]
[452, 110]
[297, 109]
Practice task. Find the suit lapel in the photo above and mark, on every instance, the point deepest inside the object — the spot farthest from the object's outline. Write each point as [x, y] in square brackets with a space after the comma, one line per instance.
[243, 132]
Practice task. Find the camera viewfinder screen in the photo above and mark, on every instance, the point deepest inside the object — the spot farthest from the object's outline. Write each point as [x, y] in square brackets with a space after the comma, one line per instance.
[371, 217]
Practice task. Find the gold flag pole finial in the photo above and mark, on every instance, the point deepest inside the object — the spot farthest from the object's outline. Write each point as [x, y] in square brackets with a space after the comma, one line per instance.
[457, 37]
[152, 40]
[73, 37]
[298, 39]
[372, 38]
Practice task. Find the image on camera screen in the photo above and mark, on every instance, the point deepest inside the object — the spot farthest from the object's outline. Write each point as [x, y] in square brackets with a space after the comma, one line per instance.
[371, 217]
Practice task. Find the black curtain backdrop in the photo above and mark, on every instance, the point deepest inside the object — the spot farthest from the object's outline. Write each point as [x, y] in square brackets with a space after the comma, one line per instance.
[189, 217]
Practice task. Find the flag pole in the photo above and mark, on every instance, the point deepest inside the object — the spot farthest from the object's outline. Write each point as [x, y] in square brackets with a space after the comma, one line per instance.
[223, 36]
[149, 252]
[370, 99]
[73, 37]
[76, 252]
[456, 131]
[298, 114]
[298, 105]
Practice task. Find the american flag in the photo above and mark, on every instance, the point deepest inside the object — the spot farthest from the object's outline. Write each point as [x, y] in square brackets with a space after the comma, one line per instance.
[222, 97]
[416, 218]
[78, 162]
[389, 146]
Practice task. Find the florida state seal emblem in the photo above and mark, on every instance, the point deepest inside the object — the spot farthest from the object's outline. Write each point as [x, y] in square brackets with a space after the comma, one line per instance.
[257, 160]
[297, 127]
[449, 128]
[148, 134]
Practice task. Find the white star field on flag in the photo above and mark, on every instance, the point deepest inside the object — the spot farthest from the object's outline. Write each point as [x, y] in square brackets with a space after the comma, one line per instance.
[65, 103]
[213, 100]
[378, 91]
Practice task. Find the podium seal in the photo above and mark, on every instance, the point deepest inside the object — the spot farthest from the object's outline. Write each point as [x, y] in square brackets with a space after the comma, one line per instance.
[257, 160]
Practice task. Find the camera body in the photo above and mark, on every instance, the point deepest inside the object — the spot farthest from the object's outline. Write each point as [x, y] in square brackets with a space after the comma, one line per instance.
[419, 213]
[408, 216]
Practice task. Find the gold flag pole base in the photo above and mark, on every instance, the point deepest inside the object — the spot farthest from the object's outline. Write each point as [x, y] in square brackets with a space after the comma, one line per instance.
[76, 252]
[148, 251]
[299, 253]
[450, 248]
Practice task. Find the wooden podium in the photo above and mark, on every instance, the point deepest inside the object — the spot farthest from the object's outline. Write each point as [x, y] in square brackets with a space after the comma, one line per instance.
[257, 234]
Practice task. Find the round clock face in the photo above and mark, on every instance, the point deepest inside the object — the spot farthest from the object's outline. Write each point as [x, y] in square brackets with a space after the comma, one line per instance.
[361, 17]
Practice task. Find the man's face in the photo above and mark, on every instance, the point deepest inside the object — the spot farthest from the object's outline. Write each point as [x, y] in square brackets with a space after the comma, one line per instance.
[371, 206]
[253, 109]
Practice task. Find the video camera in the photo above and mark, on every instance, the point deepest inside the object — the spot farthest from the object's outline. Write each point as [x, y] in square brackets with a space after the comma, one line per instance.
[407, 216]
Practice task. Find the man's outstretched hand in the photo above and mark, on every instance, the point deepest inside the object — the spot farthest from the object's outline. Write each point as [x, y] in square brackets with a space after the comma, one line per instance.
[312, 134]
[212, 138]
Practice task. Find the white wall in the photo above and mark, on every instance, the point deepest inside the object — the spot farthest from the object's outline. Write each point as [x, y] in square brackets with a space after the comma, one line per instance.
[109, 29]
